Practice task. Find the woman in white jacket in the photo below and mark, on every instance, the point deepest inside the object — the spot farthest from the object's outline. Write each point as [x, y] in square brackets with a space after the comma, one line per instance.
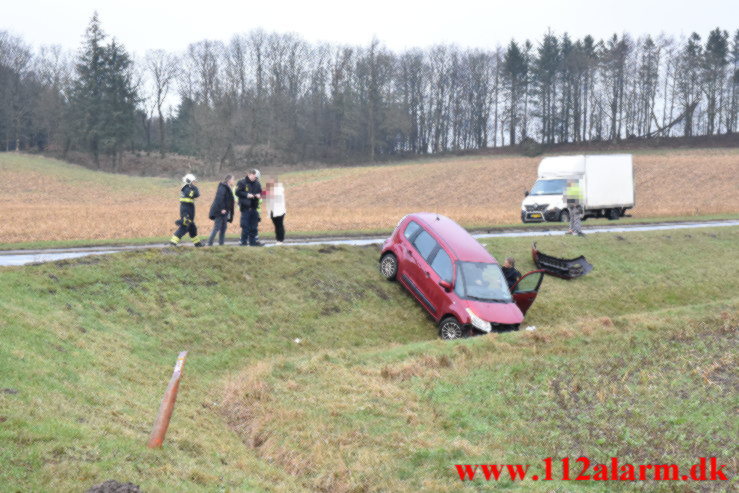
[276, 207]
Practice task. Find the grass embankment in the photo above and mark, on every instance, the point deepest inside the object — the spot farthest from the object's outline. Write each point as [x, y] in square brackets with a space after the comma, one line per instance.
[48, 200]
[637, 359]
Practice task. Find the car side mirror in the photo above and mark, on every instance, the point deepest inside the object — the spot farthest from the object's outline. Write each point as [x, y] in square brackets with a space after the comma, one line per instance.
[526, 193]
[446, 285]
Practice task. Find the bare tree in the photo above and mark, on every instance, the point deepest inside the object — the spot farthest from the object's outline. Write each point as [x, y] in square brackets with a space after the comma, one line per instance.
[15, 63]
[163, 70]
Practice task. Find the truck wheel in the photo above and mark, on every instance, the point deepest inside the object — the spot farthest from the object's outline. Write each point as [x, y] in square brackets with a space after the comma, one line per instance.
[564, 216]
[389, 266]
[450, 328]
[614, 214]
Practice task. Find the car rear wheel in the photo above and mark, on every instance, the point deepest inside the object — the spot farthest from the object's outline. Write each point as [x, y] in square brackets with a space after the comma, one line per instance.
[389, 266]
[614, 214]
[450, 328]
[564, 216]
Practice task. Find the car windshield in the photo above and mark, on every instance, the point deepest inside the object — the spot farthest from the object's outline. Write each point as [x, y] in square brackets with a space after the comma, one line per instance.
[482, 282]
[549, 187]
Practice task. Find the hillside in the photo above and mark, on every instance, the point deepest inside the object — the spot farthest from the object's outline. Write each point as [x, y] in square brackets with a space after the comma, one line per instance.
[49, 200]
[636, 360]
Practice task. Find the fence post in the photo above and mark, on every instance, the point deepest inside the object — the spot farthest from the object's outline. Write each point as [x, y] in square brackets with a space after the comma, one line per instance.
[165, 409]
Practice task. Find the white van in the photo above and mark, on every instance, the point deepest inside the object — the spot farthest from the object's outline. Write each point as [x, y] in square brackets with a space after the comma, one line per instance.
[606, 181]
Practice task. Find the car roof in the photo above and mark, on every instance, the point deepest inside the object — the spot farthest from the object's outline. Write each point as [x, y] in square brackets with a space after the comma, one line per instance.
[462, 245]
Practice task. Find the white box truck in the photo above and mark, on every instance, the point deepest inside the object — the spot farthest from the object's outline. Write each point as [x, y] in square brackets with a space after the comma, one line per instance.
[606, 181]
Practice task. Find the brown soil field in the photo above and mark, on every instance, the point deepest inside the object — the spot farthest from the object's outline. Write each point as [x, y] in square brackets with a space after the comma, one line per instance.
[45, 199]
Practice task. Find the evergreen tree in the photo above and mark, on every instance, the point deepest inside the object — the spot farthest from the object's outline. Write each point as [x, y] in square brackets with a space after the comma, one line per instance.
[715, 60]
[103, 96]
[87, 92]
[734, 81]
[688, 81]
[514, 70]
[118, 101]
[547, 69]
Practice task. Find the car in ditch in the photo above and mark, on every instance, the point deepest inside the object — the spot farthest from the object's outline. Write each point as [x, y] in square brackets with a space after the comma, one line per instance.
[454, 277]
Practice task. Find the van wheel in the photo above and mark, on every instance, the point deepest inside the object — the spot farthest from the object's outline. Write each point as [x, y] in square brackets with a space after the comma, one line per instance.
[450, 328]
[614, 214]
[564, 216]
[389, 266]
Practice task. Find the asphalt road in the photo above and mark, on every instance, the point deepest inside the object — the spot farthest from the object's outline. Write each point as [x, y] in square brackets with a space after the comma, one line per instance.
[24, 257]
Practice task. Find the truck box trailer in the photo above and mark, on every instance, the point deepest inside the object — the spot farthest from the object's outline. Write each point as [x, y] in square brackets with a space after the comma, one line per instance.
[607, 183]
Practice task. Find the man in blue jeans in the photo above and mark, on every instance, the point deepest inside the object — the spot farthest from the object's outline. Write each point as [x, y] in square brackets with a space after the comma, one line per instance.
[222, 210]
[249, 191]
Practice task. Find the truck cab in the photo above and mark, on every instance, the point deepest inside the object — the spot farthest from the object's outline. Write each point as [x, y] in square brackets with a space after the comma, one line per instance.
[545, 201]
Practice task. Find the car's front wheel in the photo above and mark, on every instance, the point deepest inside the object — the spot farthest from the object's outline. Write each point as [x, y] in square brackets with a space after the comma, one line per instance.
[450, 328]
[389, 266]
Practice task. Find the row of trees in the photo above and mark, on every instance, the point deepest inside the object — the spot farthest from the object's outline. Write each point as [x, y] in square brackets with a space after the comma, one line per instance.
[274, 96]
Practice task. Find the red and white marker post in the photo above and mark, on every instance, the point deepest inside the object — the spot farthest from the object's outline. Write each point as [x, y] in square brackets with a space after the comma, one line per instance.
[167, 406]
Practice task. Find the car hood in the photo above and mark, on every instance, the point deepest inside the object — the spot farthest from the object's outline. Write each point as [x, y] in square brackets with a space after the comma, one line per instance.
[500, 313]
[542, 199]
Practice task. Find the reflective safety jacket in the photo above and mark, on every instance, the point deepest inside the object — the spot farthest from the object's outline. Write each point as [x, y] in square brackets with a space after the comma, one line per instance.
[189, 193]
[573, 193]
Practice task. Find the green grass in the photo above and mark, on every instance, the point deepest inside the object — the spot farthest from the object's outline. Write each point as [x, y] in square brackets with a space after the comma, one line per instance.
[632, 390]
[637, 359]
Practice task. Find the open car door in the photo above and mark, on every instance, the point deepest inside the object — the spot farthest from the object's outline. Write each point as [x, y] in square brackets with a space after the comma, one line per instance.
[525, 290]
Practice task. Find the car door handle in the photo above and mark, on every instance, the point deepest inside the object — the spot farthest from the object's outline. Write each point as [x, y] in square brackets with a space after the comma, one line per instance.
[428, 274]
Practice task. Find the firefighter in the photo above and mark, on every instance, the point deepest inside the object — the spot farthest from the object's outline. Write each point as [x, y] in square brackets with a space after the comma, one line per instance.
[574, 198]
[186, 223]
[249, 192]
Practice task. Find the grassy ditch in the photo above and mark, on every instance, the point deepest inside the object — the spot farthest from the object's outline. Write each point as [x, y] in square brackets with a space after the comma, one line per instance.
[307, 371]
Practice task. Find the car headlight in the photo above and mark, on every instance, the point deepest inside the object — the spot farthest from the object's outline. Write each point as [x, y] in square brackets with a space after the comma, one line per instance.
[479, 323]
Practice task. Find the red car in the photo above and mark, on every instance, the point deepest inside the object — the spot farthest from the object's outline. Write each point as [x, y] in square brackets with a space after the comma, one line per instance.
[454, 277]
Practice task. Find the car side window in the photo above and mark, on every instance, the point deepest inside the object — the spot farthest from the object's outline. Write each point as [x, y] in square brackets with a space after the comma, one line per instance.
[425, 244]
[411, 229]
[442, 265]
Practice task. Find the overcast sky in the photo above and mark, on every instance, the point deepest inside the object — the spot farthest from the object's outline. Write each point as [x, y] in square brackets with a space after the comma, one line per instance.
[399, 24]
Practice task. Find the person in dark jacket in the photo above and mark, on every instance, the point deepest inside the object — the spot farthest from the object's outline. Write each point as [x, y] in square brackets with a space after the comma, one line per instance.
[222, 209]
[188, 193]
[249, 192]
[509, 271]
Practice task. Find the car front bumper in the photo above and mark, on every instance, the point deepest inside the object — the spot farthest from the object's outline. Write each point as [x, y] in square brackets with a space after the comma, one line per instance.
[471, 330]
[548, 215]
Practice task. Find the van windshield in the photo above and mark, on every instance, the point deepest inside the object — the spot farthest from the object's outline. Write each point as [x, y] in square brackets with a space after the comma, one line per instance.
[549, 187]
[481, 282]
